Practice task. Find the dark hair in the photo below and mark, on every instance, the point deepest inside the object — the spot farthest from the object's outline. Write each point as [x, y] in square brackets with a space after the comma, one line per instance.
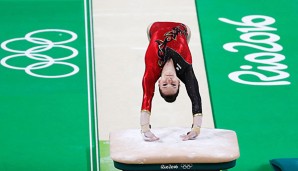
[169, 98]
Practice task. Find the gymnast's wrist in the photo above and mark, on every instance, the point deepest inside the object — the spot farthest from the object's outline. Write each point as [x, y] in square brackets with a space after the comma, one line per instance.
[197, 120]
[145, 127]
[196, 129]
[146, 112]
[198, 115]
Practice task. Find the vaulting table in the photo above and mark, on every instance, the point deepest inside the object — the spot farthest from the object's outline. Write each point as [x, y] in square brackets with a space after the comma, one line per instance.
[213, 150]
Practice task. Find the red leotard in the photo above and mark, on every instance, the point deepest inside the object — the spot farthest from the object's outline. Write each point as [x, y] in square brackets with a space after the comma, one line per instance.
[169, 40]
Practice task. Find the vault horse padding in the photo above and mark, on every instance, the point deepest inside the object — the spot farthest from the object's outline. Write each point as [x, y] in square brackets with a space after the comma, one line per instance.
[213, 150]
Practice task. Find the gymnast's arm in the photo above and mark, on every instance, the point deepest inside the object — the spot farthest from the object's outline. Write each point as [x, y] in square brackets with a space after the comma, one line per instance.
[149, 80]
[192, 88]
[148, 84]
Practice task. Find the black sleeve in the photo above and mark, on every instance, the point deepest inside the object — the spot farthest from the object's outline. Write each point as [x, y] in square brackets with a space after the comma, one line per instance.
[192, 88]
[186, 74]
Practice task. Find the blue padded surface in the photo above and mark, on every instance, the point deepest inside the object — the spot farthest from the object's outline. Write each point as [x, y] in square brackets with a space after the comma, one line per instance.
[285, 164]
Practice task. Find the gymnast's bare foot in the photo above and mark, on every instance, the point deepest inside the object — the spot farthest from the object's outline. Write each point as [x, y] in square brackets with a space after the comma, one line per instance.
[149, 136]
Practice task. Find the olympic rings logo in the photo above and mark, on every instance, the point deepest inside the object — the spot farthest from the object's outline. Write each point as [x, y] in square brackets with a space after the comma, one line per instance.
[186, 166]
[35, 53]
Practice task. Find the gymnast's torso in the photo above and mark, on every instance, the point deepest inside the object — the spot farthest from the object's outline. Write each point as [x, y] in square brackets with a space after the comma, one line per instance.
[169, 40]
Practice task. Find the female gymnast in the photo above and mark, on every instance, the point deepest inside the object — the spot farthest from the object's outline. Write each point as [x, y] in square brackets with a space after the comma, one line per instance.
[168, 61]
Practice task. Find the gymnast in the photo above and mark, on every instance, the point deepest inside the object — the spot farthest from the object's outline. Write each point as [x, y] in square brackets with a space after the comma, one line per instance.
[168, 61]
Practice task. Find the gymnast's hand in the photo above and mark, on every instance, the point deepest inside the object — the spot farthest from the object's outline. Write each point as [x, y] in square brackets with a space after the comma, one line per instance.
[149, 136]
[191, 135]
[145, 127]
[196, 128]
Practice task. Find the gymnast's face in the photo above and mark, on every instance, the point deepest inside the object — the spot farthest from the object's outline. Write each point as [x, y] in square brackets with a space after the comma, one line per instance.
[169, 84]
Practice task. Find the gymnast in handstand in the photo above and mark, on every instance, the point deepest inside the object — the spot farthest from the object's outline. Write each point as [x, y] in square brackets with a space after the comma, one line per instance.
[168, 61]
